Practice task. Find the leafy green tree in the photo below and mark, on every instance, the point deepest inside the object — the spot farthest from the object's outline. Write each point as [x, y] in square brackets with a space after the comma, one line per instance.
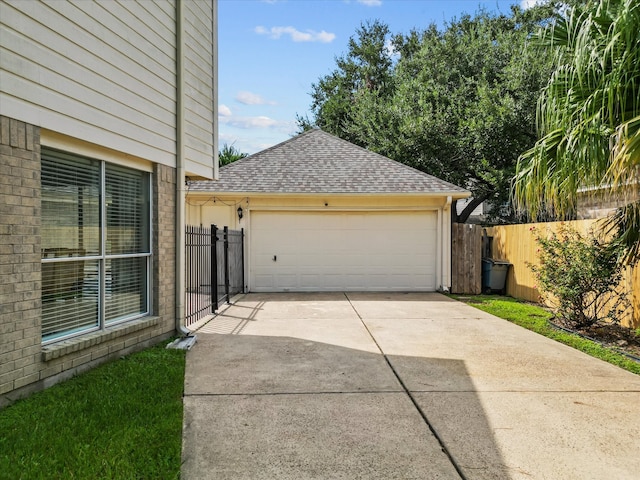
[367, 67]
[457, 103]
[229, 154]
[589, 118]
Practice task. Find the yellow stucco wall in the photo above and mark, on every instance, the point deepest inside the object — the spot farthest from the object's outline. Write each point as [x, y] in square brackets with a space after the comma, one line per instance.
[206, 209]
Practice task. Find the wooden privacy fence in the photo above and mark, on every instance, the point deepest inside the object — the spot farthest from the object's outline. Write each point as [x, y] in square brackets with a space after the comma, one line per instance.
[466, 260]
[517, 244]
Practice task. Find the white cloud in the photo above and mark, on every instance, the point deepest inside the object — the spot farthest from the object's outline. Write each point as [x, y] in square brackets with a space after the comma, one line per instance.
[251, 140]
[525, 4]
[264, 146]
[256, 125]
[390, 49]
[227, 138]
[296, 35]
[224, 111]
[250, 122]
[371, 3]
[249, 98]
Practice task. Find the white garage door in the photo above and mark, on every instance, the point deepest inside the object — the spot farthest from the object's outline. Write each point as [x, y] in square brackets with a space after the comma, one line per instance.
[342, 251]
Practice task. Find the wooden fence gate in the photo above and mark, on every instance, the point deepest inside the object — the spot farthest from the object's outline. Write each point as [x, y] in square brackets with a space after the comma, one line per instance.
[466, 259]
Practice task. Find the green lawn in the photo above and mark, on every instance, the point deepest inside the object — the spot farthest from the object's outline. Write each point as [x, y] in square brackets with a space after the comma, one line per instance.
[536, 319]
[122, 420]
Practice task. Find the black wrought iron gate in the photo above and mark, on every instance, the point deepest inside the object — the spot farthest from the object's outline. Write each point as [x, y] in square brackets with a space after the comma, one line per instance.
[214, 261]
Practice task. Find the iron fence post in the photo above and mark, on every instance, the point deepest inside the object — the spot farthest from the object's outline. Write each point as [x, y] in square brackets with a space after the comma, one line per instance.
[242, 255]
[188, 273]
[226, 262]
[214, 268]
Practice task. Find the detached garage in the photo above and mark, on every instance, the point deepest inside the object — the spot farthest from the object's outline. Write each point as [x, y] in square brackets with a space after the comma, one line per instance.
[322, 214]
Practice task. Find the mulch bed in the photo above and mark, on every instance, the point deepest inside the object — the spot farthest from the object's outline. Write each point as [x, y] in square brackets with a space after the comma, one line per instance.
[613, 336]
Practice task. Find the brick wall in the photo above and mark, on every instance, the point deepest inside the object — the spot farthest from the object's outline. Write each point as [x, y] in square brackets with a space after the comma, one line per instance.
[164, 241]
[25, 365]
[20, 307]
[601, 203]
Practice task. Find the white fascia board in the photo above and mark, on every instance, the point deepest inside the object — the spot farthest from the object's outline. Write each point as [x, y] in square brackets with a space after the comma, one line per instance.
[454, 195]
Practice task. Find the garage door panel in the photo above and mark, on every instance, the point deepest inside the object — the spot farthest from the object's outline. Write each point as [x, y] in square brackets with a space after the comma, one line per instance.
[356, 279]
[316, 261]
[287, 281]
[262, 281]
[311, 280]
[317, 251]
[359, 261]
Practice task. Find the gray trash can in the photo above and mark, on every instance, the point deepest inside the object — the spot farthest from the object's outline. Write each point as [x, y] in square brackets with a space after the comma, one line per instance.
[494, 275]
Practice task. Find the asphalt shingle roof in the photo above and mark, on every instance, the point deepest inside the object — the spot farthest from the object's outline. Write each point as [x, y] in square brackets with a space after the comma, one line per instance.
[317, 162]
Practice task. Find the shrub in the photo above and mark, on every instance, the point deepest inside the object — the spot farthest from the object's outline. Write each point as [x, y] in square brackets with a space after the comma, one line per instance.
[578, 276]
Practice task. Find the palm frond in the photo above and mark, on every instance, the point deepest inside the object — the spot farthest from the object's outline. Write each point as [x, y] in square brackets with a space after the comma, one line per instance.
[588, 115]
[624, 227]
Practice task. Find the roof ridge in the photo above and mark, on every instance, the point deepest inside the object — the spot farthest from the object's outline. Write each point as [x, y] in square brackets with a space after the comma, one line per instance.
[403, 165]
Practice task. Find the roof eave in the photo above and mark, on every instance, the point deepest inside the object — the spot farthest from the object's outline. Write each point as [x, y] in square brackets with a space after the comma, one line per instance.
[455, 195]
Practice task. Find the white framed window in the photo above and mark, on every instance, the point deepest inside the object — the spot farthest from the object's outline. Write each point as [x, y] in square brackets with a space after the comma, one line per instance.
[96, 244]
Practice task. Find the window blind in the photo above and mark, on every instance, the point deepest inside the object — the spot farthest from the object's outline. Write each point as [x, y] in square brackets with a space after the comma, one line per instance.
[126, 287]
[69, 297]
[127, 196]
[70, 206]
[87, 204]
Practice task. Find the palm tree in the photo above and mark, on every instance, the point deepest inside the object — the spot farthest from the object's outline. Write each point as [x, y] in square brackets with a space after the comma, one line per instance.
[229, 154]
[589, 118]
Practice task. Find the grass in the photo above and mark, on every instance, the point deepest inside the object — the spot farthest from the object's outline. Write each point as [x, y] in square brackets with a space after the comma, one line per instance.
[536, 319]
[120, 420]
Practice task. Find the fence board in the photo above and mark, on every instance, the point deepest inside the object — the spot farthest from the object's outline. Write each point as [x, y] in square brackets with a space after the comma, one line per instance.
[517, 244]
[466, 260]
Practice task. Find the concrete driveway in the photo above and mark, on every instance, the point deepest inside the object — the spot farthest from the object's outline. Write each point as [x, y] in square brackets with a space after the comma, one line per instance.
[398, 386]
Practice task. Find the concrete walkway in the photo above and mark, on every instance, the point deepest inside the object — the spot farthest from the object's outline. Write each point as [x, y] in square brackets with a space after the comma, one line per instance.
[398, 386]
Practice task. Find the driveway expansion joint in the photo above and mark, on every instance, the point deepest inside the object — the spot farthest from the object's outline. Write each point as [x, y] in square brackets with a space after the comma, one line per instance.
[432, 429]
[273, 394]
[480, 390]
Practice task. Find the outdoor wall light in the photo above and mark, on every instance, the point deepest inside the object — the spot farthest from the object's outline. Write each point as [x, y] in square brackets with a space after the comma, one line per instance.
[239, 213]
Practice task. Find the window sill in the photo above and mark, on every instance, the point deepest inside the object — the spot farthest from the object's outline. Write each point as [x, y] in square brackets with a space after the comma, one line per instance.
[65, 347]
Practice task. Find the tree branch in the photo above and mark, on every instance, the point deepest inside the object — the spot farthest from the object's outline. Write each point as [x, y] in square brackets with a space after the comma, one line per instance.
[471, 206]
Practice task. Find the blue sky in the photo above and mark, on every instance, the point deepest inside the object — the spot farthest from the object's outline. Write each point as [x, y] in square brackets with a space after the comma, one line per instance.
[270, 52]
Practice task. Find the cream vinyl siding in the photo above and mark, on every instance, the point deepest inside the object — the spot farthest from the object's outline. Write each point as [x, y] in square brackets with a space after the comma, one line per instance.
[343, 251]
[103, 72]
[200, 143]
